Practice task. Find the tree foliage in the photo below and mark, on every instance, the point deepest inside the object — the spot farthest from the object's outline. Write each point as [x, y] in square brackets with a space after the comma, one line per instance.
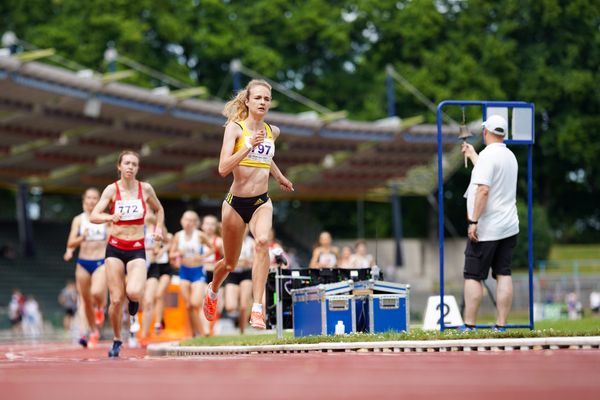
[542, 236]
[335, 52]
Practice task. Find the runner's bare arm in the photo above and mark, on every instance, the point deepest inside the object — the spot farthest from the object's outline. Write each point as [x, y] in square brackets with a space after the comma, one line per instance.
[158, 210]
[314, 260]
[204, 239]
[284, 183]
[165, 246]
[220, 246]
[98, 216]
[73, 240]
[481, 199]
[228, 160]
[174, 256]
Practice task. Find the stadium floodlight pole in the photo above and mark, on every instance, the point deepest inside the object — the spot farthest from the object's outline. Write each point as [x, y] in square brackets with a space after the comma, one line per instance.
[24, 220]
[397, 225]
[520, 119]
[390, 90]
[235, 67]
[396, 200]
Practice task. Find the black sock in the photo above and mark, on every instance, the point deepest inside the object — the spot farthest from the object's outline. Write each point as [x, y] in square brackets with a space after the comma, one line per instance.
[499, 326]
[469, 326]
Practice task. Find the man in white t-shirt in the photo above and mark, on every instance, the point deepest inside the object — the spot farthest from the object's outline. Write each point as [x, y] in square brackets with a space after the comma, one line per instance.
[493, 222]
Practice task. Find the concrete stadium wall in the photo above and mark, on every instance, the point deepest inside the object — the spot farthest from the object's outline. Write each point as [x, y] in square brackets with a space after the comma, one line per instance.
[420, 261]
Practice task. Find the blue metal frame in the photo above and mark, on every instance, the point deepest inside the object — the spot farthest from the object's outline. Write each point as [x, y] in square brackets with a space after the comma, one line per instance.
[529, 143]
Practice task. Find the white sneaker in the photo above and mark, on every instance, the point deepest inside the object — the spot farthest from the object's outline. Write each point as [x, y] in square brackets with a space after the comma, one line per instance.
[134, 325]
[132, 342]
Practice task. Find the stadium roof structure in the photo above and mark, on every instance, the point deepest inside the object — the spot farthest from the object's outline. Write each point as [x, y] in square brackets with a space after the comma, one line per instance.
[62, 130]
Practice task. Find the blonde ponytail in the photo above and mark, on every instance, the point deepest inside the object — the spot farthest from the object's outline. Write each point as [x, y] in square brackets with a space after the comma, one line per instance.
[236, 109]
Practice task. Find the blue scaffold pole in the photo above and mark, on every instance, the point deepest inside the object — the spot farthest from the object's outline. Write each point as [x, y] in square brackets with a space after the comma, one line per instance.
[441, 211]
[530, 229]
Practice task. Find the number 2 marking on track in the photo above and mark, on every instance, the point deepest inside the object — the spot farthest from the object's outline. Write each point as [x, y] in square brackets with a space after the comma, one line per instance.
[446, 312]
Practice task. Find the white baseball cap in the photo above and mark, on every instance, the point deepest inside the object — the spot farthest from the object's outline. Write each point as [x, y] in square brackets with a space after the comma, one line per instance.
[496, 125]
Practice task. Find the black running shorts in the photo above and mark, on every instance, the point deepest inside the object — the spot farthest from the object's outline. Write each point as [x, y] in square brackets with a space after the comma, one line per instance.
[236, 277]
[494, 254]
[158, 270]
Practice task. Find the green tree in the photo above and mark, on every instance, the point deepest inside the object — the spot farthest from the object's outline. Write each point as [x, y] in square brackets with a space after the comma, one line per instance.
[335, 52]
[542, 236]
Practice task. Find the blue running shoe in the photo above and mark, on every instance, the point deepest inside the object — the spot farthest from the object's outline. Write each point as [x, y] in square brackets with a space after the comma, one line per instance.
[116, 348]
[133, 307]
[466, 329]
[83, 341]
[499, 329]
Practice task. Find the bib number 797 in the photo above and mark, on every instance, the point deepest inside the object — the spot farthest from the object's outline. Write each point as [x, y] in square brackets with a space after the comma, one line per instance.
[262, 149]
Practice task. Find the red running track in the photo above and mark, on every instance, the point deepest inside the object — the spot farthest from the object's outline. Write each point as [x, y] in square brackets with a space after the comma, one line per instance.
[59, 371]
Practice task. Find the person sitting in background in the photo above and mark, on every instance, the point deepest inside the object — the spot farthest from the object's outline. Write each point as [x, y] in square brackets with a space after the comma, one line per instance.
[8, 251]
[360, 259]
[324, 255]
[292, 258]
[574, 307]
[32, 318]
[15, 310]
[68, 300]
[274, 244]
[345, 261]
[595, 303]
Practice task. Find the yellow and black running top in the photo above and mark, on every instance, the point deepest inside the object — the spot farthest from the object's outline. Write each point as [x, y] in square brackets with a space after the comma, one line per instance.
[262, 154]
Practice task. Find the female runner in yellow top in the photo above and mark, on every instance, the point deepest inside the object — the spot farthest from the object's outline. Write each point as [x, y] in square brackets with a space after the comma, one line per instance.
[247, 151]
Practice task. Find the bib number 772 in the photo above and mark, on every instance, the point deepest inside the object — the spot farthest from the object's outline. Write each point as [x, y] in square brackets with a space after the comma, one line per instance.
[132, 209]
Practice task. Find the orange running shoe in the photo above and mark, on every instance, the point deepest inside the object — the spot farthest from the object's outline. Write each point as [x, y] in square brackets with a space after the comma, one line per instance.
[94, 338]
[144, 342]
[210, 305]
[257, 320]
[99, 316]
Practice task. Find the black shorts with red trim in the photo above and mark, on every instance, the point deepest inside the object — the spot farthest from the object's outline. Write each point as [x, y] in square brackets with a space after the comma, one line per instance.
[125, 255]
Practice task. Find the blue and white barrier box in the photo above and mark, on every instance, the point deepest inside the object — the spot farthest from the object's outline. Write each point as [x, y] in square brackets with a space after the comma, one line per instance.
[317, 310]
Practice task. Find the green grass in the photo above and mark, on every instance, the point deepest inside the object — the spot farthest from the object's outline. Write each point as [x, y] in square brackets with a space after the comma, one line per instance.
[562, 257]
[585, 327]
[575, 252]
[579, 325]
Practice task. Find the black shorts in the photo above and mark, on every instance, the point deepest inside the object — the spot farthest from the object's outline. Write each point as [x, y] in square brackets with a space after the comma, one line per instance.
[494, 254]
[209, 276]
[158, 270]
[236, 277]
[125, 255]
[246, 206]
[70, 311]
